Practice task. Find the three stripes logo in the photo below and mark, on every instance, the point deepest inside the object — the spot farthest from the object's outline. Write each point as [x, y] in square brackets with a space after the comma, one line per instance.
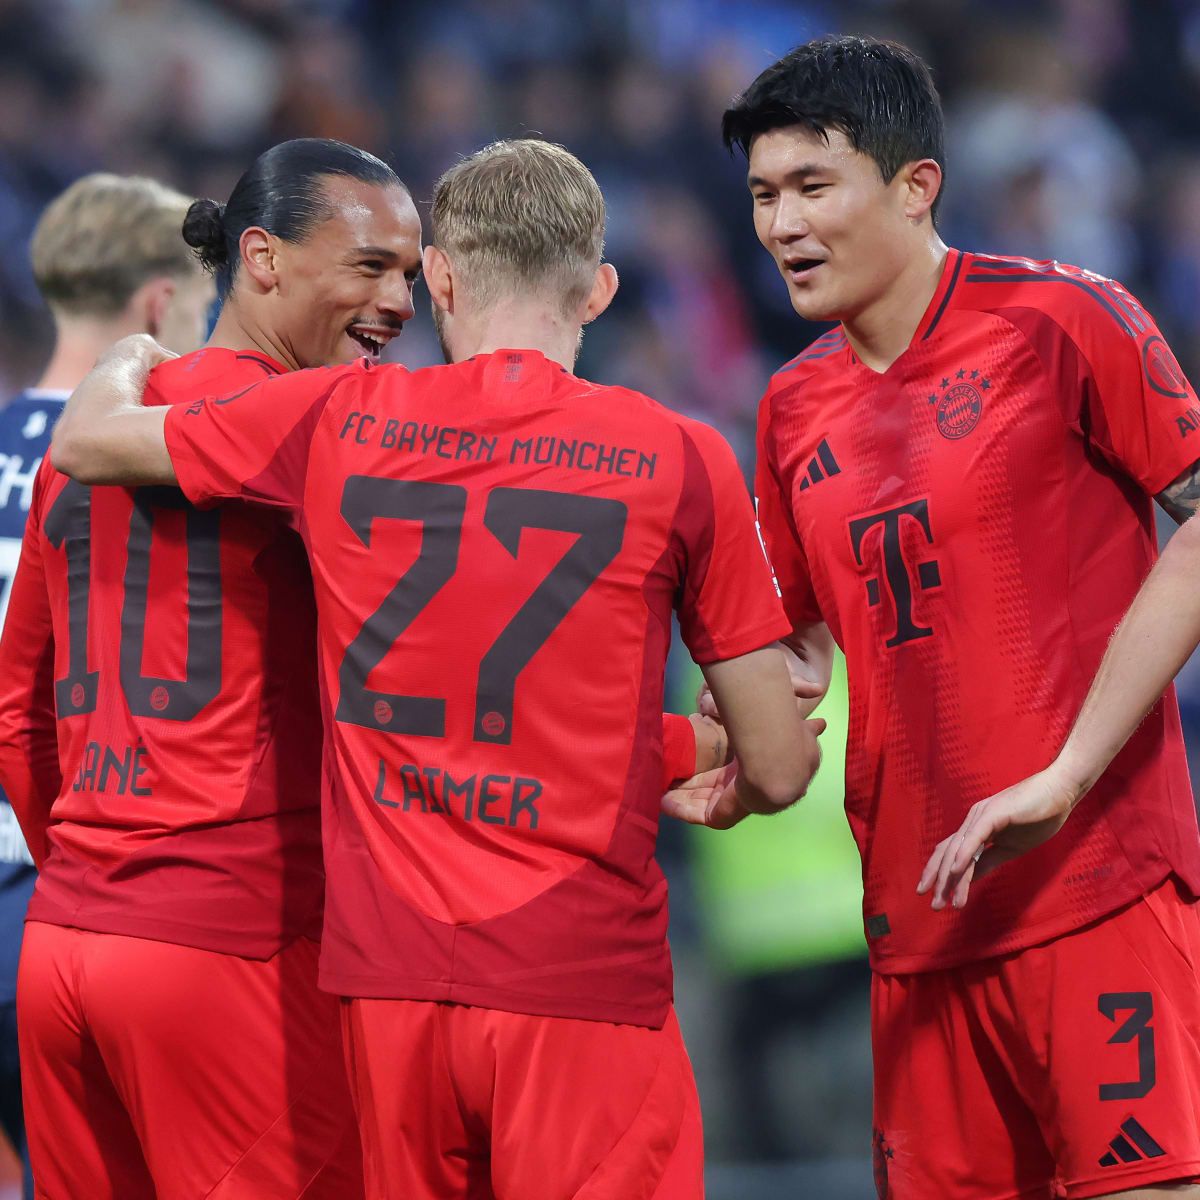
[821, 466]
[1133, 1144]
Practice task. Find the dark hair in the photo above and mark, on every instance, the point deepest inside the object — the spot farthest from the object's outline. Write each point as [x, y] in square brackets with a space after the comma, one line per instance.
[282, 194]
[879, 94]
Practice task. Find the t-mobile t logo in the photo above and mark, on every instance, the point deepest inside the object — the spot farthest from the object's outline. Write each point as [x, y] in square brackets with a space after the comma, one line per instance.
[897, 573]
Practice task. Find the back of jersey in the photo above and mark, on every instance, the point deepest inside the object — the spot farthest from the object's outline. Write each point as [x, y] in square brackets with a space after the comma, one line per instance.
[185, 691]
[497, 548]
[25, 425]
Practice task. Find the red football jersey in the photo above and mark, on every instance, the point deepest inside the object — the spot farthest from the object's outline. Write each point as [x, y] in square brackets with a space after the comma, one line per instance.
[183, 669]
[972, 523]
[496, 549]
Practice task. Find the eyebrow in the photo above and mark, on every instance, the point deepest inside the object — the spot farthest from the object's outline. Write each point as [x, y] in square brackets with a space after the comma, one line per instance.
[374, 252]
[800, 172]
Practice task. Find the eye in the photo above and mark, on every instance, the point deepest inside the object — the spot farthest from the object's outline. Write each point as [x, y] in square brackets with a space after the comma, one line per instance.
[374, 265]
[761, 197]
[811, 189]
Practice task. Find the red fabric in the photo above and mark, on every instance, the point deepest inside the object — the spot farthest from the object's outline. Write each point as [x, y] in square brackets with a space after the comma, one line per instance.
[1007, 444]
[199, 826]
[29, 761]
[1016, 1077]
[537, 891]
[479, 1104]
[679, 749]
[155, 1070]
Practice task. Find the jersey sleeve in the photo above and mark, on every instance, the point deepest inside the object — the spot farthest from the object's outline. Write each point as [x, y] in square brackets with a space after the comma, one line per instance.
[1136, 406]
[255, 444]
[728, 603]
[777, 526]
[29, 764]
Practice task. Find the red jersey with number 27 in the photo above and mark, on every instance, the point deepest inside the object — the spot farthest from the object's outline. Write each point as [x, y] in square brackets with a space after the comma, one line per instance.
[972, 524]
[496, 547]
[182, 647]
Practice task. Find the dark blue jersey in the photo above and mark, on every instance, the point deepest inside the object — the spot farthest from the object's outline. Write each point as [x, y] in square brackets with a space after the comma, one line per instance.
[25, 425]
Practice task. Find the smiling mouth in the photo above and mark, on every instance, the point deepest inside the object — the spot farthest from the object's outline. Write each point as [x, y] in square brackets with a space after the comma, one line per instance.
[801, 266]
[372, 338]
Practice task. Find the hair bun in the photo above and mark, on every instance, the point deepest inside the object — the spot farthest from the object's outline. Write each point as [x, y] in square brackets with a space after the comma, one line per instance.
[204, 231]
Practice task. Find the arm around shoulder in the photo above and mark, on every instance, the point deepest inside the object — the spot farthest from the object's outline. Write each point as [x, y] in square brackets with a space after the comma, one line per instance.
[105, 435]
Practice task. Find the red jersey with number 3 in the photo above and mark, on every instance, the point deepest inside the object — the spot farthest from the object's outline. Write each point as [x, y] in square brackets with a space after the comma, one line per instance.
[184, 679]
[972, 524]
[496, 548]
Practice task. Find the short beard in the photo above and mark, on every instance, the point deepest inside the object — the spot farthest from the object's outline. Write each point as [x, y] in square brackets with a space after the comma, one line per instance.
[439, 325]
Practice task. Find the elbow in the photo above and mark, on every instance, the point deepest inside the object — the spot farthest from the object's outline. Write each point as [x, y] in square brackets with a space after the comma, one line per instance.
[778, 785]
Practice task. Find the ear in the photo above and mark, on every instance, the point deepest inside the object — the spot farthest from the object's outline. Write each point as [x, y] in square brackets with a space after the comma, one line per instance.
[259, 251]
[923, 182]
[149, 304]
[604, 288]
[438, 272]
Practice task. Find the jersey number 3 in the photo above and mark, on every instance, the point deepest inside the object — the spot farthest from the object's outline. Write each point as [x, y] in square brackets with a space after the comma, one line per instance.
[440, 508]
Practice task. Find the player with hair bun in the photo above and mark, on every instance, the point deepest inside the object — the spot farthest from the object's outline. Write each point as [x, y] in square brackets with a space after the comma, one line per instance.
[160, 741]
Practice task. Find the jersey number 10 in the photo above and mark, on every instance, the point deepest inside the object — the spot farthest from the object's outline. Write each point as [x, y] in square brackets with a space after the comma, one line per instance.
[69, 523]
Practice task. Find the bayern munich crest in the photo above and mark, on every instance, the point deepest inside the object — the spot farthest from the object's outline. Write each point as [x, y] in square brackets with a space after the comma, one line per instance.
[958, 403]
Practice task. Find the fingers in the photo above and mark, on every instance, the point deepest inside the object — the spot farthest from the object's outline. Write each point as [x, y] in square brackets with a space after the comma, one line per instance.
[688, 805]
[724, 811]
[806, 689]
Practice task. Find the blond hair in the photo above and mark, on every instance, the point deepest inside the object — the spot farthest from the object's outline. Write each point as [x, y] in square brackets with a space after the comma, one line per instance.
[105, 236]
[521, 214]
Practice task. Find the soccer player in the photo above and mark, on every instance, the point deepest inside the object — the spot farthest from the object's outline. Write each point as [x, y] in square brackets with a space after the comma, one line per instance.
[956, 480]
[479, 534]
[174, 1039]
[108, 258]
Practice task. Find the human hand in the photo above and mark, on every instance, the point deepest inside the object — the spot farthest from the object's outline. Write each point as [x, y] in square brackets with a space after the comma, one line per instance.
[997, 830]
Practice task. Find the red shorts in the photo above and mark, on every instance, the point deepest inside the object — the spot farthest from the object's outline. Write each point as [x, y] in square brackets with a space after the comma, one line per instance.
[460, 1103]
[1067, 1070]
[155, 1070]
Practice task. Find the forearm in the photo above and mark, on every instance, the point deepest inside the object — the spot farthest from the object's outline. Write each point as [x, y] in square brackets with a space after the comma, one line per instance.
[1151, 644]
[105, 435]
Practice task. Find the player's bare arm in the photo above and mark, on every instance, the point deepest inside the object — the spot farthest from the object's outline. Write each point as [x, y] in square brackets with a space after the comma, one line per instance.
[1181, 498]
[776, 749]
[105, 435]
[1155, 639]
[809, 655]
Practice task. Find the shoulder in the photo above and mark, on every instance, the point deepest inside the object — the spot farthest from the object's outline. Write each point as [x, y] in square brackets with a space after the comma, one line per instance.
[1079, 301]
[814, 358]
[821, 360]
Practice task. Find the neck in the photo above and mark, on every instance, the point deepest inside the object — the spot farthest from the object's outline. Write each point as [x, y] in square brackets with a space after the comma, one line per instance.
[513, 325]
[882, 331]
[238, 329]
[78, 342]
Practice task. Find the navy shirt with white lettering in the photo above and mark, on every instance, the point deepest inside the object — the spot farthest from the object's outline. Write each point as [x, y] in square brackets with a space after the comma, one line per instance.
[25, 425]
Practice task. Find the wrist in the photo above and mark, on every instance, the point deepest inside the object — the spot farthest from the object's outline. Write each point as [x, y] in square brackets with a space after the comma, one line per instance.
[1069, 773]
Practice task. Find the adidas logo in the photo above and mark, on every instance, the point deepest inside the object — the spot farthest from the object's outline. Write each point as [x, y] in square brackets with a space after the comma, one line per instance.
[1131, 1145]
[821, 465]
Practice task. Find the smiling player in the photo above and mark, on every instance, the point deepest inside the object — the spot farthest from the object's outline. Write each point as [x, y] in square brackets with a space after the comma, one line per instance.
[174, 1039]
[957, 480]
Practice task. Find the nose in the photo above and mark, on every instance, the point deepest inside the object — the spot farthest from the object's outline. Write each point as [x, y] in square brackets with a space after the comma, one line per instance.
[789, 222]
[396, 301]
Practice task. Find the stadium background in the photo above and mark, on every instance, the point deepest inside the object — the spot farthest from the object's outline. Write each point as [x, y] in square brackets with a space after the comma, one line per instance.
[1074, 133]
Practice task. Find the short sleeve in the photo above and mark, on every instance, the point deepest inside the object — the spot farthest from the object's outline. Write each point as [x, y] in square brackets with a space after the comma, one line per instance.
[777, 526]
[728, 604]
[1137, 406]
[254, 444]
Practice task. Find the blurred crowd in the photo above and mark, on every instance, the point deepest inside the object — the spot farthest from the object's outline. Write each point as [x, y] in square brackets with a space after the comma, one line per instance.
[1074, 134]
[1073, 122]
